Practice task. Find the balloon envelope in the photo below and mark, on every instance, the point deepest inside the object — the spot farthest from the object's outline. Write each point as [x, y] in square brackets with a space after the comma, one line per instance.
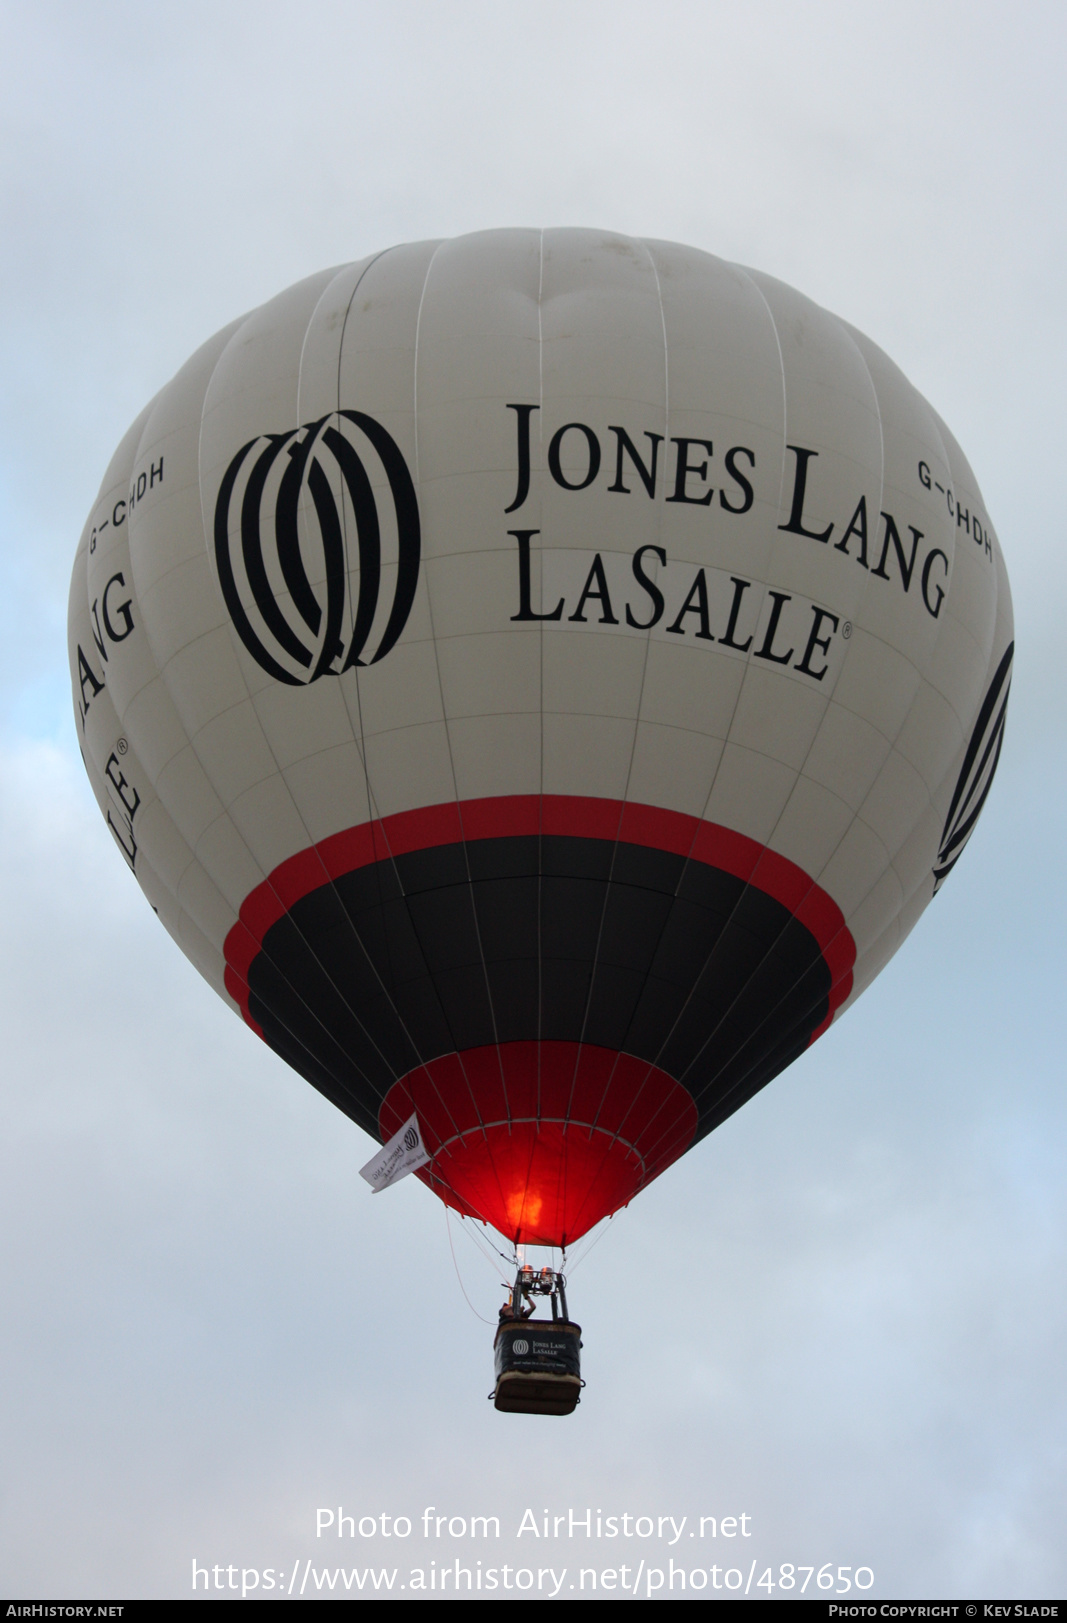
[539, 679]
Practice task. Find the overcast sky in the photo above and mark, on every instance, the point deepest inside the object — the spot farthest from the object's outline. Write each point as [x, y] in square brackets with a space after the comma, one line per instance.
[844, 1314]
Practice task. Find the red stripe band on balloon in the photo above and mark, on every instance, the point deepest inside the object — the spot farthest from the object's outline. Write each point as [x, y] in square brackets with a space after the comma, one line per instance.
[501, 816]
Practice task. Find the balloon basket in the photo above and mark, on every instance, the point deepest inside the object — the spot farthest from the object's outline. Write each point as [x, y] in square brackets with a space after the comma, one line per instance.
[538, 1365]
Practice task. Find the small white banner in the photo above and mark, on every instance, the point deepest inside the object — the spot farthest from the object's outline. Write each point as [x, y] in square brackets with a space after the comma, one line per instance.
[404, 1152]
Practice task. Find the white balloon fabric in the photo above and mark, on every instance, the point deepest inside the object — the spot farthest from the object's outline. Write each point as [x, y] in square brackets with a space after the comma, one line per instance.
[539, 679]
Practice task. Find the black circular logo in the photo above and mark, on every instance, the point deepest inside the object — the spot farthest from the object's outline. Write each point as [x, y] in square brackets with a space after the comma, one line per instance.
[976, 773]
[299, 518]
[411, 1139]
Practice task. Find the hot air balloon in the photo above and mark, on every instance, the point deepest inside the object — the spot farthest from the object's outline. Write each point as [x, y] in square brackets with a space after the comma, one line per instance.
[539, 679]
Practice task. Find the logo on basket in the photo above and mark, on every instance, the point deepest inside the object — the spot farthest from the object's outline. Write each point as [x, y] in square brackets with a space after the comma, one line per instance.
[318, 546]
[519, 1347]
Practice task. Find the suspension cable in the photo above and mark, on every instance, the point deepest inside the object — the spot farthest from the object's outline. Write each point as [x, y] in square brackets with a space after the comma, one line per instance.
[459, 1276]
